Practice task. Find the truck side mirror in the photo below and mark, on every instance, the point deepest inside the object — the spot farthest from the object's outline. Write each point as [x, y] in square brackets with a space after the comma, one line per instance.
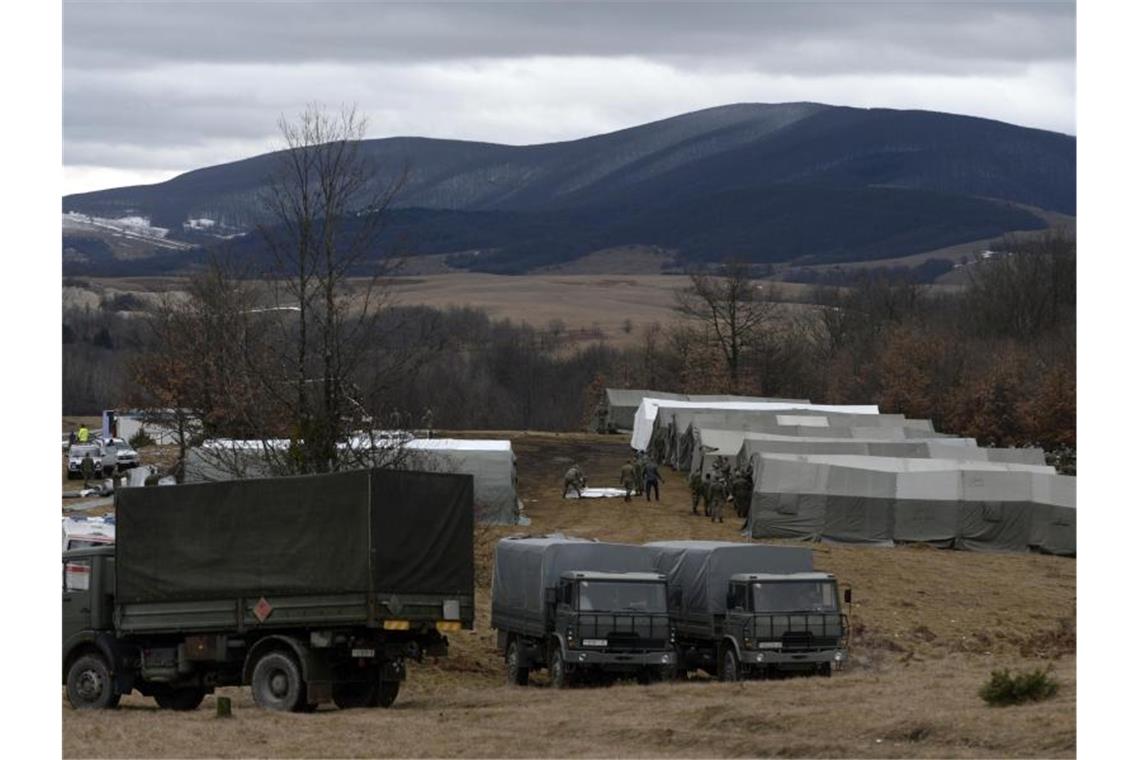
[847, 596]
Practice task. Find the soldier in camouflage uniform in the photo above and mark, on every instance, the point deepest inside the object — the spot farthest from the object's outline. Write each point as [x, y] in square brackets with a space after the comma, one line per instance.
[696, 488]
[627, 478]
[575, 479]
[706, 493]
[639, 473]
[718, 493]
[741, 492]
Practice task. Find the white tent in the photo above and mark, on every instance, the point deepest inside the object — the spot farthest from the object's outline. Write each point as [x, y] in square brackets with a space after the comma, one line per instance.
[490, 462]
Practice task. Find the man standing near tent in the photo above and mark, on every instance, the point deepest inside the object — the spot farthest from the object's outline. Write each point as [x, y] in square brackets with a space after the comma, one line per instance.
[639, 473]
[628, 479]
[696, 489]
[652, 480]
[575, 479]
[706, 493]
[717, 495]
[741, 491]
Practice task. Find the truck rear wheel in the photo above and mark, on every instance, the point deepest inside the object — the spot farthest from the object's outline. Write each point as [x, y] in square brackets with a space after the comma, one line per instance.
[89, 684]
[348, 695]
[277, 683]
[729, 665]
[559, 677]
[389, 690]
[516, 674]
[187, 698]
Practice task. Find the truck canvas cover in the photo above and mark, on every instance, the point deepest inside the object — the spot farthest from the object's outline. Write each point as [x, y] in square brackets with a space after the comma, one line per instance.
[361, 531]
[524, 567]
[701, 569]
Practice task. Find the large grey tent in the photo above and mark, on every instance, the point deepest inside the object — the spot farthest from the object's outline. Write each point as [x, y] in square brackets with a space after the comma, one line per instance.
[653, 410]
[718, 431]
[490, 462]
[753, 444]
[981, 506]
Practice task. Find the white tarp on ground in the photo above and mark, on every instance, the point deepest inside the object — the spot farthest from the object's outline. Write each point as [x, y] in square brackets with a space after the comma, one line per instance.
[490, 462]
[596, 493]
[983, 506]
[647, 412]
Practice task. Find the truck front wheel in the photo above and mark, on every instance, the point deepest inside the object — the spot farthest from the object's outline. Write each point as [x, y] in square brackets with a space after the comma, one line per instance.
[516, 673]
[559, 677]
[89, 684]
[188, 698]
[729, 665]
[277, 683]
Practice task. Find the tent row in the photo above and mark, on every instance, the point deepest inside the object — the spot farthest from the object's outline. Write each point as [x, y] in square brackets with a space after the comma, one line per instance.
[490, 462]
[950, 503]
[851, 473]
[620, 404]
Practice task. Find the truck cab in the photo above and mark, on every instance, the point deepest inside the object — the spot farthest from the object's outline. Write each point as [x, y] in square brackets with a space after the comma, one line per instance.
[613, 623]
[89, 651]
[783, 622]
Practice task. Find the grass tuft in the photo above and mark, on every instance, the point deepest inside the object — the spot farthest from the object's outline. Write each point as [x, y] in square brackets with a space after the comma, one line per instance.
[1004, 689]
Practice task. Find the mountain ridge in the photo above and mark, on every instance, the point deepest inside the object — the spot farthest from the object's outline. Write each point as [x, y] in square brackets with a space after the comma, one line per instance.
[637, 181]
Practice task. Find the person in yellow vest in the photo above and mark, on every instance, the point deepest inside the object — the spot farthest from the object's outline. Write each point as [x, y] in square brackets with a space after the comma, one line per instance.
[83, 434]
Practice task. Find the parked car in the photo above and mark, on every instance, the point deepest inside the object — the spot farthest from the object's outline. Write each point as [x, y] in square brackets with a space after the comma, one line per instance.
[119, 454]
[75, 459]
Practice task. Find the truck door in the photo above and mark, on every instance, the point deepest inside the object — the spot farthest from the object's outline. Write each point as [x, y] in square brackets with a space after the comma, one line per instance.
[77, 595]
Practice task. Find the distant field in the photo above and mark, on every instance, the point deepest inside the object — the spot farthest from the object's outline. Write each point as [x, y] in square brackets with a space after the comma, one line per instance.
[929, 626]
[594, 305]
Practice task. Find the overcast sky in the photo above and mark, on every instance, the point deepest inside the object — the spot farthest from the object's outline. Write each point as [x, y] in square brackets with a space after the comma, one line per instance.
[153, 89]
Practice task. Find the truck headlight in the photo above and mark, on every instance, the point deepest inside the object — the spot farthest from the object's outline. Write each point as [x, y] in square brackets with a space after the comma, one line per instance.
[839, 656]
[759, 657]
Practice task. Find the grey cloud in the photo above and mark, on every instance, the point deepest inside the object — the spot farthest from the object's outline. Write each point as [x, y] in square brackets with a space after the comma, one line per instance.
[180, 84]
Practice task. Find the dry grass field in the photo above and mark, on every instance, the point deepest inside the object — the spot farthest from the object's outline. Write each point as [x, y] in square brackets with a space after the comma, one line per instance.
[929, 626]
[590, 306]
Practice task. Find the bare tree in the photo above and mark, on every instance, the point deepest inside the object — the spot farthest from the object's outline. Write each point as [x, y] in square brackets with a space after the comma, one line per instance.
[326, 205]
[731, 307]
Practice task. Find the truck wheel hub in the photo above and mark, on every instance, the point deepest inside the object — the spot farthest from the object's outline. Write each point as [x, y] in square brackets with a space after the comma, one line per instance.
[279, 684]
[90, 685]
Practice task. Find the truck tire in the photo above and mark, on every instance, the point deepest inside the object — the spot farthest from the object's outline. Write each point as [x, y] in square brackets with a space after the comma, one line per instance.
[729, 666]
[387, 693]
[184, 699]
[276, 683]
[559, 676]
[89, 684]
[516, 674]
[349, 695]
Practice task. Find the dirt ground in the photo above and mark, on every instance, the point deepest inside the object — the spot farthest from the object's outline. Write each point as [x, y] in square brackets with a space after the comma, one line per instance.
[928, 628]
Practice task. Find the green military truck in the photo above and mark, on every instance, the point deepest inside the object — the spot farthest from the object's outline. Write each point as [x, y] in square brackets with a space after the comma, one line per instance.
[745, 610]
[308, 589]
[584, 610]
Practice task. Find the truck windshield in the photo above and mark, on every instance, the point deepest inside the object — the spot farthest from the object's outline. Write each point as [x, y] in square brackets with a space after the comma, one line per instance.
[793, 596]
[615, 596]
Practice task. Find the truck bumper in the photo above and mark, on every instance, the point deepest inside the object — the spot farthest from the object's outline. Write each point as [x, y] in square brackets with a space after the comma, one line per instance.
[620, 660]
[835, 657]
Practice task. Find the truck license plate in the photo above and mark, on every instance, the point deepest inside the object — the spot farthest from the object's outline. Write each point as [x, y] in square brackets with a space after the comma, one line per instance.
[363, 652]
